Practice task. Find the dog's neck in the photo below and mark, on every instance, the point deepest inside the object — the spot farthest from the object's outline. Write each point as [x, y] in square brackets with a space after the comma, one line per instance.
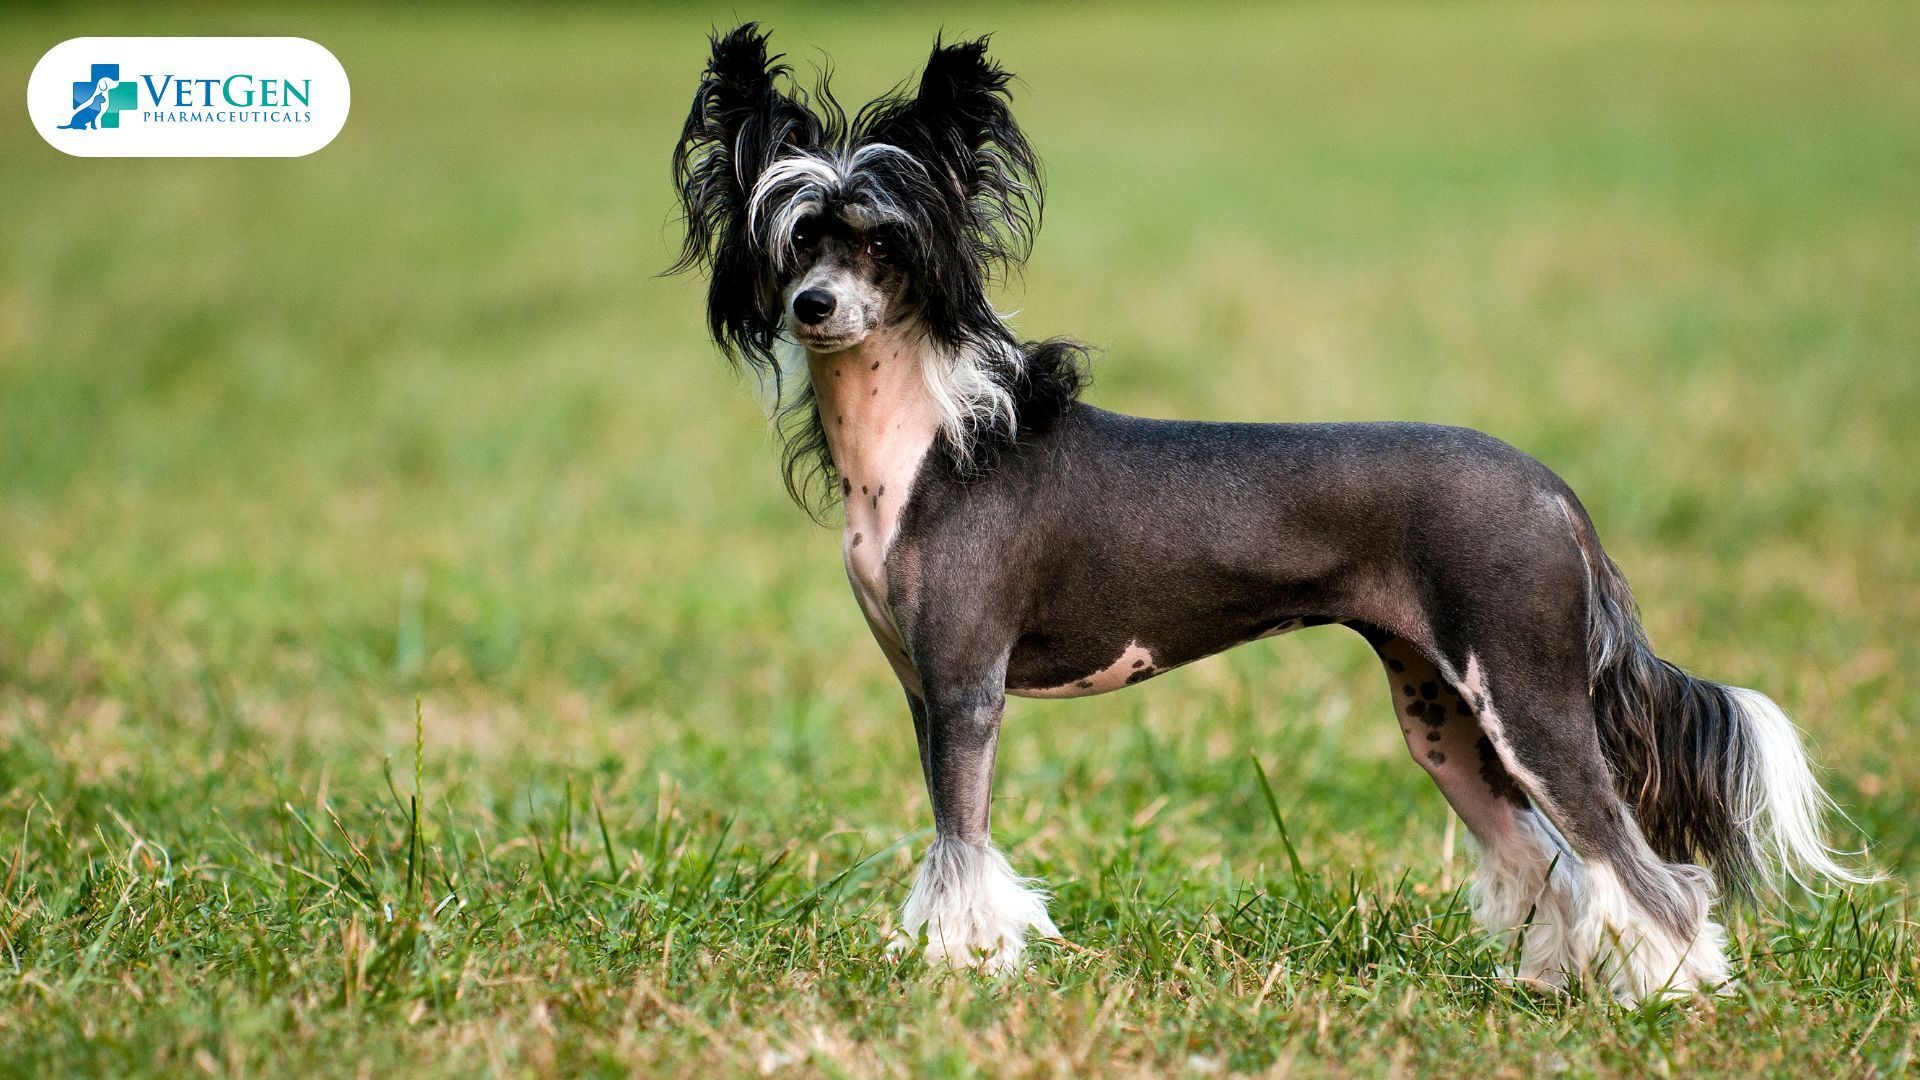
[879, 421]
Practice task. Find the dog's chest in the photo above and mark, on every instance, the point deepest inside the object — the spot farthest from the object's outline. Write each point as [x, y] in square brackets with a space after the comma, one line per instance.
[873, 512]
[879, 427]
[873, 520]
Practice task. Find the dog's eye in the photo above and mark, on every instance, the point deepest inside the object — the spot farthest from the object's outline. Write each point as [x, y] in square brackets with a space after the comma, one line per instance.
[805, 232]
[878, 248]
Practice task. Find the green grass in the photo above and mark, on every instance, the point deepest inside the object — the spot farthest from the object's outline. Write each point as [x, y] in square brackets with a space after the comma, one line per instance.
[285, 445]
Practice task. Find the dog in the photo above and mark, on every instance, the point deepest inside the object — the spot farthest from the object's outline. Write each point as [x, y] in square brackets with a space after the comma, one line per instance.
[1004, 537]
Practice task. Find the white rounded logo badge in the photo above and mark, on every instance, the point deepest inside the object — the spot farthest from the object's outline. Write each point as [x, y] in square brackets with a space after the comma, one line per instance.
[188, 97]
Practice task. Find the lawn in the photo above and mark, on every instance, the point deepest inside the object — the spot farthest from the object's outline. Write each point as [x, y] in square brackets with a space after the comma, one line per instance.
[410, 663]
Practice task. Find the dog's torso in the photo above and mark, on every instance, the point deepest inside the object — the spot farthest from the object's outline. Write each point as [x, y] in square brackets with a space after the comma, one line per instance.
[1112, 548]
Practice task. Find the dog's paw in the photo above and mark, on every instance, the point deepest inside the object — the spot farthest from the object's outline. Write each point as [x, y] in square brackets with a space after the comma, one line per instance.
[970, 949]
[971, 911]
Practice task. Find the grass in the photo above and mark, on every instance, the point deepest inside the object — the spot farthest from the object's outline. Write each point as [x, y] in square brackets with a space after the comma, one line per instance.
[289, 446]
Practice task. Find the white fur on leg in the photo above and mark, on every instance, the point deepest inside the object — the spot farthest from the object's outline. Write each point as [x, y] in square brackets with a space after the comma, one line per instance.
[1512, 892]
[972, 909]
[1635, 954]
[1584, 924]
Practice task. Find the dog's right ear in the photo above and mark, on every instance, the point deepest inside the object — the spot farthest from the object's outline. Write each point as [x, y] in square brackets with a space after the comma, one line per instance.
[739, 123]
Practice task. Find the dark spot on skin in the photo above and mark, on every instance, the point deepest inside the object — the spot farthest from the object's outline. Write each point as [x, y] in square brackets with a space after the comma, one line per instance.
[1395, 666]
[1407, 689]
[1417, 708]
[881, 490]
[876, 502]
[1433, 736]
[1436, 757]
[1085, 684]
[1429, 690]
[1498, 780]
[1139, 663]
[1461, 708]
[876, 392]
[1139, 676]
[846, 486]
[875, 367]
[1406, 731]
[863, 489]
[856, 541]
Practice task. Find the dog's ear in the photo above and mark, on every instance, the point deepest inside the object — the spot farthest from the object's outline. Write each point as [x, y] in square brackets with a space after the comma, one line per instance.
[961, 125]
[964, 104]
[740, 122]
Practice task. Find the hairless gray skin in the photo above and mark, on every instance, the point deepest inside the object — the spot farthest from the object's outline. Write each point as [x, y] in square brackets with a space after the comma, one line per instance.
[1003, 537]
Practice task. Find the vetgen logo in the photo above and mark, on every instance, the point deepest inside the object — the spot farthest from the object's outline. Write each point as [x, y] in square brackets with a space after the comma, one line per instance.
[99, 99]
[188, 97]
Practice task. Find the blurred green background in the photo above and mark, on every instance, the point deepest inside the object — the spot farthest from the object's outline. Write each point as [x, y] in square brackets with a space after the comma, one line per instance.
[284, 443]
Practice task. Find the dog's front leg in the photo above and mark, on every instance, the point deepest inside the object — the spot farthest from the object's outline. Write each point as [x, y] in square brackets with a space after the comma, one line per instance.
[967, 904]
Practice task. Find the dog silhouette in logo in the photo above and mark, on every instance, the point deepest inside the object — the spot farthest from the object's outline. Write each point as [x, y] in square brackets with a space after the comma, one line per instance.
[100, 98]
[86, 117]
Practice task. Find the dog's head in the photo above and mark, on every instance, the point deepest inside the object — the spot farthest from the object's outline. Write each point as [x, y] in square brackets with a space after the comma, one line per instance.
[818, 230]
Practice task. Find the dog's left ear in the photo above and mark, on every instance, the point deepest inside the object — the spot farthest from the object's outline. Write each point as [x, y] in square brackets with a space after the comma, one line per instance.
[961, 125]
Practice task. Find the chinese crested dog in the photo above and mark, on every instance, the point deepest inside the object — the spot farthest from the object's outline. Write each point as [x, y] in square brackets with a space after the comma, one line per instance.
[1003, 537]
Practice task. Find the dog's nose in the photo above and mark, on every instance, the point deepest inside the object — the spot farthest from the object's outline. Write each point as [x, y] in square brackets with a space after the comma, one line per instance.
[813, 306]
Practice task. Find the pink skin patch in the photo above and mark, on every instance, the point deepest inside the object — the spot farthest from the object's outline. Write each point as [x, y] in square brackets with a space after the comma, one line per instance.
[880, 422]
[1134, 665]
[1443, 733]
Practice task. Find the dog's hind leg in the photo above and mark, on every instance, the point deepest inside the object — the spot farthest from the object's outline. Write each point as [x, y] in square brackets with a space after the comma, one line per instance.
[1527, 883]
[1643, 926]
[967, 904]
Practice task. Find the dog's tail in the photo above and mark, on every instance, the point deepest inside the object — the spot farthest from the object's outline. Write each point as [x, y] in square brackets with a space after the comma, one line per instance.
[1715, 774]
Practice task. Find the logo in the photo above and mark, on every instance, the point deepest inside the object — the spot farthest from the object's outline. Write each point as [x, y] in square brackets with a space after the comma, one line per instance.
[188, 97]
[99, 99]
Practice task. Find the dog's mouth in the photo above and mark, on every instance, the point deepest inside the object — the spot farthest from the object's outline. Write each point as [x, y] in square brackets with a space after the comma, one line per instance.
[816, 341]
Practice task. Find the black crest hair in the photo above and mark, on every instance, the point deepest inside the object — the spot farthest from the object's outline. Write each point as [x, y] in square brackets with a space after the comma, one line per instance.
[952, 170]
[740, 122]
[985, 182]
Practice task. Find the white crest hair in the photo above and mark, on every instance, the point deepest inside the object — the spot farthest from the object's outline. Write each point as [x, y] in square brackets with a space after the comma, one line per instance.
[800, 183]
[966, 396]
